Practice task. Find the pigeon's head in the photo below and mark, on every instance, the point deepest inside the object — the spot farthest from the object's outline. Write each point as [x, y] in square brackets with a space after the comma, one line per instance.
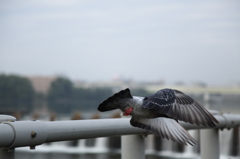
[127, 111]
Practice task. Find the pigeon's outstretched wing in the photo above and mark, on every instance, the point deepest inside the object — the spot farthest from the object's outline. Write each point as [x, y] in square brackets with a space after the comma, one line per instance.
[177, 105]
[118, 100]
[164, 127]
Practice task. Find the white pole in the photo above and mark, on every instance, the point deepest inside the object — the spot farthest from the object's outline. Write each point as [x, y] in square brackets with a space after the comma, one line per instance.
[210, 143]
[133, 147]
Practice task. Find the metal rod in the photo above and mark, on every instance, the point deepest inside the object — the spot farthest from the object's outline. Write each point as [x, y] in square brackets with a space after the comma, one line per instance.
[82, 129]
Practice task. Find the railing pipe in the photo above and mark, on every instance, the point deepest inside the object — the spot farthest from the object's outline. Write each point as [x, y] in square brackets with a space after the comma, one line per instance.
[21, 133]
[31, 133]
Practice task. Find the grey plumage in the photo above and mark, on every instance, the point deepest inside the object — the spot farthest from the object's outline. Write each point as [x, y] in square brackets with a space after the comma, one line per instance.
[160, 112]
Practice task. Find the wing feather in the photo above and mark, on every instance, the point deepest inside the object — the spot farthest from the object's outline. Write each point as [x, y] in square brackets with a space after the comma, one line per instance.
[189, 115]
[166, 128]
[177, 105]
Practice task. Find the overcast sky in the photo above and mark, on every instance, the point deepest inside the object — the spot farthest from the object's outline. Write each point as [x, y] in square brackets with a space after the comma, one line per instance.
[95, 40]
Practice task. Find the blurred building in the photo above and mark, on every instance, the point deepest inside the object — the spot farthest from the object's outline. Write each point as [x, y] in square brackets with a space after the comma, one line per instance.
[41, 84]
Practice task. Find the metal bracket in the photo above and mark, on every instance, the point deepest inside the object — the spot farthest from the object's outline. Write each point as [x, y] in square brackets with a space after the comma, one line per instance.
[4, 118]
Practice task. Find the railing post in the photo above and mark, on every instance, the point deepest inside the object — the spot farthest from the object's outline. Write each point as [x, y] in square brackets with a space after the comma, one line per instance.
[133, 147]
[7, 153]
[210, 143]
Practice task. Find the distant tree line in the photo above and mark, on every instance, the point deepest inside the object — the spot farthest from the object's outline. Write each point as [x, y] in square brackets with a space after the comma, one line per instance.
[17, 93]
[64, 97]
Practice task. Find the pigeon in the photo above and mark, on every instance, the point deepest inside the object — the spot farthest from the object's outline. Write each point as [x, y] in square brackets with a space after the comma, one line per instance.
[160, 113]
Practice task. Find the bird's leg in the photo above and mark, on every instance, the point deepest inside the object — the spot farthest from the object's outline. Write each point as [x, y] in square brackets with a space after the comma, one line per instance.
[127, 111]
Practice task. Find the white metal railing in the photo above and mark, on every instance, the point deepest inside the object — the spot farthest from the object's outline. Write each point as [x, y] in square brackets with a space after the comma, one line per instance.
[15, 134]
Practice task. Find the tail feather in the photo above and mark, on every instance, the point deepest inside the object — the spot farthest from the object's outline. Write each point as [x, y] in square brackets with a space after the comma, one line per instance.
[114, 101]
